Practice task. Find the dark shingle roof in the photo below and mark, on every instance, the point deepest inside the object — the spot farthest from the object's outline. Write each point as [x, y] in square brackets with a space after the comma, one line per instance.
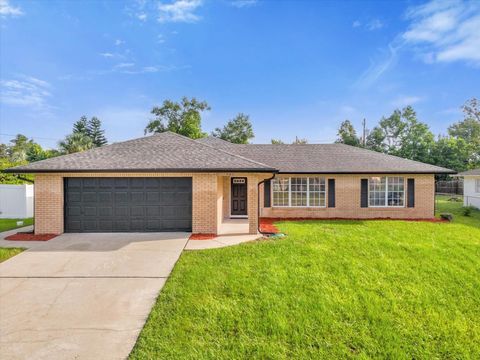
[324, 158]
[165, 152]
[470, 172]
[169, 152]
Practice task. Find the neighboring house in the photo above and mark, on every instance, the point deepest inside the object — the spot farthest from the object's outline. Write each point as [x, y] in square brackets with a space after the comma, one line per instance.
[167, 182]
[471, 187]
[16, 201]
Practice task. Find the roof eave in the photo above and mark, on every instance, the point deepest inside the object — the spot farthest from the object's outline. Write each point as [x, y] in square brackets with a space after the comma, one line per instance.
[185, 170]
[370, 172]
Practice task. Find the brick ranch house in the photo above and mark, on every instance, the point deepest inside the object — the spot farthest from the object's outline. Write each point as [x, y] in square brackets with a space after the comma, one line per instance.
[167, 182]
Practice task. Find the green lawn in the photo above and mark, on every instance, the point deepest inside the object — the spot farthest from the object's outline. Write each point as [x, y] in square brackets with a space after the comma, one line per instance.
[330, 289]
[6, 253]
[9, 224]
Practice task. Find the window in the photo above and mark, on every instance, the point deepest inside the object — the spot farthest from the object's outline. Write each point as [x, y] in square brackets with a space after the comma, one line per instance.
[386, 191]
[299, 192]
[316, 191]
[280, 188]
[477, 185]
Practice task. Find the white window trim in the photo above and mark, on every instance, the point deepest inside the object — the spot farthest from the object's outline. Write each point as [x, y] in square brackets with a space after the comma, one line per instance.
[308, 195]
[386, 194]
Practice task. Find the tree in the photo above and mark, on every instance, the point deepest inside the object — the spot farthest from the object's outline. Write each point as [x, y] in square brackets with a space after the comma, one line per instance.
[81, 126]
[95, 132]
[75, 142]
[416, 141]
[376, 140]
[183, 118]
[469, 130]
[451, 153]
[7, 178]
[277, 141]
[238, 130]
[19, 148]
[347, 134]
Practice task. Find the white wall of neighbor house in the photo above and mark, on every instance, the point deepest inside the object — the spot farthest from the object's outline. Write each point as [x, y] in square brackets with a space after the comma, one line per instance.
[16, 201]
[471, 191]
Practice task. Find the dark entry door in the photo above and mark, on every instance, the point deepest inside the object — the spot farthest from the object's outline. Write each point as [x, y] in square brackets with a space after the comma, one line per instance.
[126, 204]
[239, 196]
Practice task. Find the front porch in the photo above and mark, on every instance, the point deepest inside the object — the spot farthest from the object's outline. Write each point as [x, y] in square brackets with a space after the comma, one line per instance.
[237, 204]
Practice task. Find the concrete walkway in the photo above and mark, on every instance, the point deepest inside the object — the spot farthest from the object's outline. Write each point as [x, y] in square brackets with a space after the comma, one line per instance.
[83, 296]
[19, 244]
[220, 241]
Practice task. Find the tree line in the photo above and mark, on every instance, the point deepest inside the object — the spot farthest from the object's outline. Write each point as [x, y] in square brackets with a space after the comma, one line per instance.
[402, 134]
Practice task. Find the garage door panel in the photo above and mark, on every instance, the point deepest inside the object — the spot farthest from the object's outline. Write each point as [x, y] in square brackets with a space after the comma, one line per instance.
[121, 197]
[128, 204]
[137, 197]
[105, 197]
[89, 196]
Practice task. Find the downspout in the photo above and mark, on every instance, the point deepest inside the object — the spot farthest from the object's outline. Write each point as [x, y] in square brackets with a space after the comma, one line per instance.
[258, 207]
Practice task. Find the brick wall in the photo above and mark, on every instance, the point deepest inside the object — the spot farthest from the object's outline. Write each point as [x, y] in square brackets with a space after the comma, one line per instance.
[206, 202]
[48, 204]
[347, 200]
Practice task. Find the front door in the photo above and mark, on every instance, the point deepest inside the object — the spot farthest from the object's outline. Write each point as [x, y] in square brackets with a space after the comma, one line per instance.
[239, 196]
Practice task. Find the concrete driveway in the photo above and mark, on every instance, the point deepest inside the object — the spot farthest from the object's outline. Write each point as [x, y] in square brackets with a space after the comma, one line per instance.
[83, 296]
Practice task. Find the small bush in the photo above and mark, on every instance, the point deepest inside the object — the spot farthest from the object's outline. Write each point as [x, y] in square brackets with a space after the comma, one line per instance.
[467, 210]
[446, 216]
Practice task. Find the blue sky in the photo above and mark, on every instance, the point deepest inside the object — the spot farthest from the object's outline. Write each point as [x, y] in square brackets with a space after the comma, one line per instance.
[298, 68]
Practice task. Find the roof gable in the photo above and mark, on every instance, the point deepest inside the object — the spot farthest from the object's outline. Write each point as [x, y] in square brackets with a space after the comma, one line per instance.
[324, 158]
[164, 152]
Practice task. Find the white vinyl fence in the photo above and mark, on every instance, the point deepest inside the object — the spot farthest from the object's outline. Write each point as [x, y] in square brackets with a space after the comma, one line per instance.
[16, 201]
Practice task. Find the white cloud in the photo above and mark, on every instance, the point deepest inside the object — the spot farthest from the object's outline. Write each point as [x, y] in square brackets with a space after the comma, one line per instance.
[356, 24]
[107, 55]
[119, 42]
[405, 100]
[160, 39]
[179, 11]
[25, 91]
[445, 31]
[124, 65]
[243, 3]
[142, 16]
[378, 67]
[9, 10]
[374, 24]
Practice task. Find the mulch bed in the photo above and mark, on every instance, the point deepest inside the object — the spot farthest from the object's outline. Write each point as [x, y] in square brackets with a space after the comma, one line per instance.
[267, 224]
[202, 237]
[30, 236]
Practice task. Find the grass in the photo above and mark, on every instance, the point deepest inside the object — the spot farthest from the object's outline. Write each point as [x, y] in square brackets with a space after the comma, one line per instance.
[6, 253]
[9, 224]
[330, 289]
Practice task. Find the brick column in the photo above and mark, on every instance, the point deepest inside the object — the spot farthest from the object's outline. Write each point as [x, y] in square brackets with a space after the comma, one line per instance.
[48, 204]
[204, 203]
[252, 201]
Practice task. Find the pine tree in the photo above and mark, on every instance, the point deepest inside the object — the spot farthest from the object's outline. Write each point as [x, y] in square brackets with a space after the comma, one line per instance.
[81, 126]
[96, 133]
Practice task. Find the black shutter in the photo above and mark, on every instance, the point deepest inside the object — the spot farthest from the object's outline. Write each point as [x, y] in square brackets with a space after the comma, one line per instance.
[364, 193]
[331, 193]
[411, 193]
[266, 194]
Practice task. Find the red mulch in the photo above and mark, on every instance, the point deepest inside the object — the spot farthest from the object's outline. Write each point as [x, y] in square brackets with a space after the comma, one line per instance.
[202, 236]
[267, 224]
[30, 236]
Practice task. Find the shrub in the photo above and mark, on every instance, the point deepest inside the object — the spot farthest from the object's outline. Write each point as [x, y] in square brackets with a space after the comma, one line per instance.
[446, 216]
[467, 210]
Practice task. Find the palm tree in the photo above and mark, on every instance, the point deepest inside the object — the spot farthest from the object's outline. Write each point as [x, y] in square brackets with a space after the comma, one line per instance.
[75, 142]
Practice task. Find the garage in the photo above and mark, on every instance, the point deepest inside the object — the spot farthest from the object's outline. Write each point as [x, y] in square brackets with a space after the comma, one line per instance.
[128, 204]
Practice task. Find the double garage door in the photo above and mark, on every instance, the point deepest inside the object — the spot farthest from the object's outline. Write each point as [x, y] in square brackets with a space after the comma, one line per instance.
[128, 204]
